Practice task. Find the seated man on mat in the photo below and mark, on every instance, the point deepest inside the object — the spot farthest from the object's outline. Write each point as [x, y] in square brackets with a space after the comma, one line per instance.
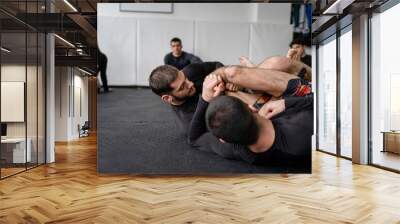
[283, 140]
[179, 58]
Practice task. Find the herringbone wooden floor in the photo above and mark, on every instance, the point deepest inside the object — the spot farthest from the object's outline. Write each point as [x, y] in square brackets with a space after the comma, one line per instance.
[70, 191]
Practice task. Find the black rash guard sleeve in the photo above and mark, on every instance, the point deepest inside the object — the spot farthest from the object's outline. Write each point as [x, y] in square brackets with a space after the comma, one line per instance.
[211, 66]
[198, 126]
[198, 71]
[294, 103]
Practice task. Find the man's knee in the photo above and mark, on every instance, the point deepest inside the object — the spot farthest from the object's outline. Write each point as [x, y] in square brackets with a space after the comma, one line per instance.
[231, 72]
[276, 63]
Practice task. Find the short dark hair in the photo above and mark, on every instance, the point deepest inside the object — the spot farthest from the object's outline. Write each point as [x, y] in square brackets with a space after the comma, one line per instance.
[230, 119]
[161, 78]
[298, 41]
[176, 39]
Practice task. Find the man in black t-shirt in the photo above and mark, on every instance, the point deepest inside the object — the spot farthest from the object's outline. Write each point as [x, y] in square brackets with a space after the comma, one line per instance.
[178, 58]
[279, 133]
[282, 138]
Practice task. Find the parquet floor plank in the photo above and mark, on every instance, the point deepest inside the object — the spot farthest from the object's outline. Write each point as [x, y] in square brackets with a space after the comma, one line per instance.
[71, 191]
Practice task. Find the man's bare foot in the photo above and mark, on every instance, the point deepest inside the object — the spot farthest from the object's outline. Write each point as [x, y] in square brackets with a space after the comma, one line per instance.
[244, 61]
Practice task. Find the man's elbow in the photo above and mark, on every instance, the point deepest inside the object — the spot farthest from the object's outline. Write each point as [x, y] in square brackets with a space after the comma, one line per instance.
[195, 60]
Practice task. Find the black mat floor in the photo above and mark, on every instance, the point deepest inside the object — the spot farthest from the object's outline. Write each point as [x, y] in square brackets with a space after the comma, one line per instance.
[137, 135]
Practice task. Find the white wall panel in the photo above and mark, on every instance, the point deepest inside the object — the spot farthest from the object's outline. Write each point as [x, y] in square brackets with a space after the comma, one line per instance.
[222, 41]
[117, 39]
[268, 40]
[136, 43]
[12, 101]
[192, 11]
[154, 36]
[275, 13]
[146, 7]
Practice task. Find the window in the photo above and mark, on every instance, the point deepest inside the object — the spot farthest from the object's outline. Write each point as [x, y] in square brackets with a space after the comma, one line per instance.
[346, 92]
[385, 89]
[327, 96]
[22, 78]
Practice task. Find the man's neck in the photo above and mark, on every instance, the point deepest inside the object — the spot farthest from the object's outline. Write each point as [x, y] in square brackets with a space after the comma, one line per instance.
[178, 103]
[177, 55]
[266, 136]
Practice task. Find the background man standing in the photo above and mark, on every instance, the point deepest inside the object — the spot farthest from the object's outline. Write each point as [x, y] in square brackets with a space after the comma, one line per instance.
[102, 68]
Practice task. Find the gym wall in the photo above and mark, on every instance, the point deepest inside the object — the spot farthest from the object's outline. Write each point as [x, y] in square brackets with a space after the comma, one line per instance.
[136, 42]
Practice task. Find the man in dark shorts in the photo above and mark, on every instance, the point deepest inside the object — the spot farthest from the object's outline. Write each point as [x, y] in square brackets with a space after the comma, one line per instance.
[283, 64]
[273, 82]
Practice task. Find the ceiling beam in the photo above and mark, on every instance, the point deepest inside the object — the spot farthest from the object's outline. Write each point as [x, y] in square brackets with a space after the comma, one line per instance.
[91, 5]
[84, 24]
[85, 61]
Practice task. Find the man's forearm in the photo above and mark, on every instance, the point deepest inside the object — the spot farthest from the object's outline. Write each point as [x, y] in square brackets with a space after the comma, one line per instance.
[197, 126]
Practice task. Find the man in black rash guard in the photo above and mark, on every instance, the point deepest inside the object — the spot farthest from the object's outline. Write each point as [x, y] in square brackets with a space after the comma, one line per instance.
[181, 90]
[283, 140]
